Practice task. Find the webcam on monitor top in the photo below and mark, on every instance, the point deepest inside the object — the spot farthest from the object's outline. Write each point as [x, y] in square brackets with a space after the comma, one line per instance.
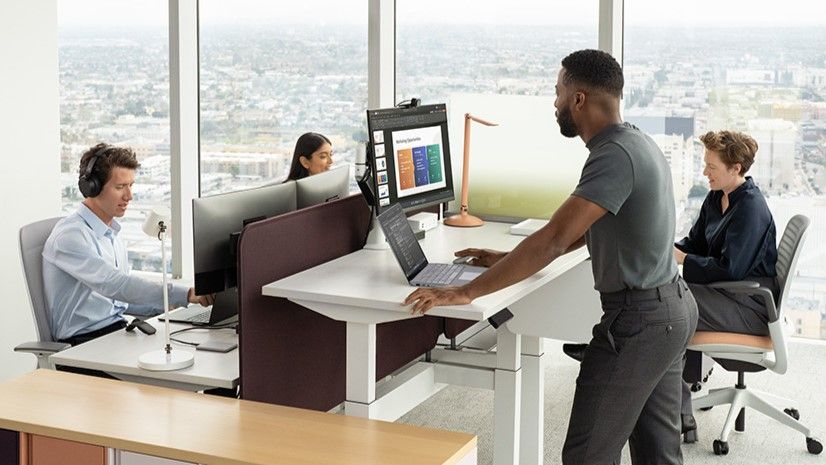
[413, 102]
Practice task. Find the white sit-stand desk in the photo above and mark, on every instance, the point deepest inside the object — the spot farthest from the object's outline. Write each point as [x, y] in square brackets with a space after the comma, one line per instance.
[367, 287]
[117, 354]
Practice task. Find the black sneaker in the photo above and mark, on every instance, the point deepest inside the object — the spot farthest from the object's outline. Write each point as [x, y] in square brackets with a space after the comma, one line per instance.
[575, 351]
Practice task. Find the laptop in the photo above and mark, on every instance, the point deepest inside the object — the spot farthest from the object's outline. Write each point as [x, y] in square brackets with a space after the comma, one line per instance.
[223, 311]
[411, 258]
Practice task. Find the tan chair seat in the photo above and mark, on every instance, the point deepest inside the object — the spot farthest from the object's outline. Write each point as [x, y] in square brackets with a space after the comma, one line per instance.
[716, 338]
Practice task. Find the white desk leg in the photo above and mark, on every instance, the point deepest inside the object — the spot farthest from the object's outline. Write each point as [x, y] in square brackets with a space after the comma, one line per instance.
[506, 398]
[361, 370]
[532, 428]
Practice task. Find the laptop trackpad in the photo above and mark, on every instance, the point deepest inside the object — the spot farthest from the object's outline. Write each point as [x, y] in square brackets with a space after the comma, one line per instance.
[468, 276]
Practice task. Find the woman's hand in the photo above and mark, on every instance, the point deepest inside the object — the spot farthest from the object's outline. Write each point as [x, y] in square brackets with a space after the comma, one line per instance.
[481, 257]
[679, 255]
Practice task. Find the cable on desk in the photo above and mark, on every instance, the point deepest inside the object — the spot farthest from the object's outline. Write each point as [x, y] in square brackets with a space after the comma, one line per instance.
[195, 344]
[177, 331]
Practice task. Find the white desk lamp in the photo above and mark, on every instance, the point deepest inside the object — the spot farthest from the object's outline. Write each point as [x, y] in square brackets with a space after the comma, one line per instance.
[156, 225]
[464, 219]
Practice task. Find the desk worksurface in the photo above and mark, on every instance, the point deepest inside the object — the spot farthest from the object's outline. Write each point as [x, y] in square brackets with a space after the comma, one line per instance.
[117, 353]
[373, 278]
[212, 430]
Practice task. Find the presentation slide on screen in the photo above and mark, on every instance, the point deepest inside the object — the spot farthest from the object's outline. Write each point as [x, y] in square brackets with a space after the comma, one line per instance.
[419, 158]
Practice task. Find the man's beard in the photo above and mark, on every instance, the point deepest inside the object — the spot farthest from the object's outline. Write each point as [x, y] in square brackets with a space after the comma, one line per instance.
[567, 126]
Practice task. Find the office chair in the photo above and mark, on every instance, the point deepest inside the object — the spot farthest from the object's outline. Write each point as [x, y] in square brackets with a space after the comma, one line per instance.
[32, 239]
[744, 353]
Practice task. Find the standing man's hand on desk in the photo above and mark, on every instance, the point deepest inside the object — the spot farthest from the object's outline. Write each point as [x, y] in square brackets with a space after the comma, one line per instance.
[481, 257]
[202, 300]
[423, 299]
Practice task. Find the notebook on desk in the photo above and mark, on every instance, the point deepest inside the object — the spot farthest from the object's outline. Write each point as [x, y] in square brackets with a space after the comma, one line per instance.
[223, 311]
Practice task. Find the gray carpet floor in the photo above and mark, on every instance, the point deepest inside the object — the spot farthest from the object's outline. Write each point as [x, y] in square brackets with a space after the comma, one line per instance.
[764, 441]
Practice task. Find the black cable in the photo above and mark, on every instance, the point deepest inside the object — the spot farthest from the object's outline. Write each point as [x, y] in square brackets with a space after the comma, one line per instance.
[228, 325]
[195, 344]
[373, 212]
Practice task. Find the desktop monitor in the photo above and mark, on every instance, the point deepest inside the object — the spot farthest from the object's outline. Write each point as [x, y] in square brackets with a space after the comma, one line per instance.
[410, 156]
[323, 187]
[216, 222]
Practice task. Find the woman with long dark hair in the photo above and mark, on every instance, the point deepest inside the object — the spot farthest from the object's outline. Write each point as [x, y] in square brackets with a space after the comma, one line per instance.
[313, 154]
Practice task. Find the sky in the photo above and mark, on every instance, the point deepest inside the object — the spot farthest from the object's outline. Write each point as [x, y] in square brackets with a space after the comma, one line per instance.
[519, 12]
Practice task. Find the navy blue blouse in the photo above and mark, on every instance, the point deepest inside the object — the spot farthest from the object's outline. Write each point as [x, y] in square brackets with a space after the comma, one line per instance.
[734, 245]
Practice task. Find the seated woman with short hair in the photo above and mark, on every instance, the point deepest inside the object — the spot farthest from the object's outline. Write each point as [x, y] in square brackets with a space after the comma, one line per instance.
[732, 240]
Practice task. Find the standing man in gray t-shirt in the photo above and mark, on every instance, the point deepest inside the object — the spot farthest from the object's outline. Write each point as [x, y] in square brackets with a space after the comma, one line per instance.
[629, 386]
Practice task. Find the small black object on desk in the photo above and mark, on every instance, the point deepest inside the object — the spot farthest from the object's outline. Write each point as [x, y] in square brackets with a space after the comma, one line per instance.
[143, 326]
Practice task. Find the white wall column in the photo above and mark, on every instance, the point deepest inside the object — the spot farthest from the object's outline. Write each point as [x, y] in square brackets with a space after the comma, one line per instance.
[184, 126]
[381, 54]
[611, 23]
[30, 131]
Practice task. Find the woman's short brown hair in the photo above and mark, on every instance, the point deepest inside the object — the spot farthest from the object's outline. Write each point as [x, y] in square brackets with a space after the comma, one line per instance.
[733, 147]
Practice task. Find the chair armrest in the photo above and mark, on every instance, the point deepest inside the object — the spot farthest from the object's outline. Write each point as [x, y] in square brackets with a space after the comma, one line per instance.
[42, 347]
[734, 286]
[750, 288]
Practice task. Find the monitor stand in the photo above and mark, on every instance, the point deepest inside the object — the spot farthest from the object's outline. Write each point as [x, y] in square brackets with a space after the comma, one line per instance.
[376, 239]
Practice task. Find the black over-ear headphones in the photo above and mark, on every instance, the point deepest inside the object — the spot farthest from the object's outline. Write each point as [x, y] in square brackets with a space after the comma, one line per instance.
[89, 182]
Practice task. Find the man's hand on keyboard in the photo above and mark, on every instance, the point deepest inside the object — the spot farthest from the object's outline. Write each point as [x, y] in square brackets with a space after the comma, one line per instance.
[202, 300]
[482, 257]
[423, 299]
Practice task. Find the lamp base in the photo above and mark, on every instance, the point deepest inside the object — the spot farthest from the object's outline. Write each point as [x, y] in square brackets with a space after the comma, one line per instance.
[159, 360]
[464, 220]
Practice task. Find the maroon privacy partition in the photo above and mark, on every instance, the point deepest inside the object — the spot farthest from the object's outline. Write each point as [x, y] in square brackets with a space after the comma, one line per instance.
[291, 355]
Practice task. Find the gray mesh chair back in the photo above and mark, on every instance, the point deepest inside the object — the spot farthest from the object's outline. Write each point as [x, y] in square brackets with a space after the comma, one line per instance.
[32, 239]
[788, 251]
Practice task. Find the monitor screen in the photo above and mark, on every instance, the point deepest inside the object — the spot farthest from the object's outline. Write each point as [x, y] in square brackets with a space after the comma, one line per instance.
[410, 156]
[323, 187]
[218, 217]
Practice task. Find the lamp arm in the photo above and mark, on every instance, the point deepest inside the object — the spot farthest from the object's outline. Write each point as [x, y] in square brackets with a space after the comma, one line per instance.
[465, 165]
[480, 120]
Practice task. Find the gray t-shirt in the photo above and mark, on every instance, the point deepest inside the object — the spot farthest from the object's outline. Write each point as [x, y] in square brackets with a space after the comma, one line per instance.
[631, 246]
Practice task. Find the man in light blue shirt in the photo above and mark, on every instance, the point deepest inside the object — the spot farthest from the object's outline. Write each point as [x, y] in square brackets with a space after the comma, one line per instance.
[85, 266]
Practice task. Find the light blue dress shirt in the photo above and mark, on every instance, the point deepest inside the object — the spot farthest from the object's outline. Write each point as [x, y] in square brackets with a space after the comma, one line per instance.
[87, 281]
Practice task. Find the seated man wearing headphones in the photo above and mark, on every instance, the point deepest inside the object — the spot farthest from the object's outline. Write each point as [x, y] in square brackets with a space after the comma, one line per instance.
[85, 267]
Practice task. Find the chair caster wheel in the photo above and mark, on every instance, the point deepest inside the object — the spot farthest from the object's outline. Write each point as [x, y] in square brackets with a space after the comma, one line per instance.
[696, 387]
[706, 409]
[721, 448]
[792, 412]
[690, 436]
[814, 446]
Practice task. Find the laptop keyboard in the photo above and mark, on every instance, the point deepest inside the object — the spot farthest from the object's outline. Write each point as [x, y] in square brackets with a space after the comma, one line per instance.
[190, 315]
[438, 274]
[202, 317]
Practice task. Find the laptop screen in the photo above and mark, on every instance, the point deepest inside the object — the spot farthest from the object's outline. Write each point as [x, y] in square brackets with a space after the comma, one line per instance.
[402, 241]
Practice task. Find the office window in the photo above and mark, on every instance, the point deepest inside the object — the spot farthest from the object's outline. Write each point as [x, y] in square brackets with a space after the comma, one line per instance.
[754, 68]
[499, 61]
[114, 88]
[271, 71]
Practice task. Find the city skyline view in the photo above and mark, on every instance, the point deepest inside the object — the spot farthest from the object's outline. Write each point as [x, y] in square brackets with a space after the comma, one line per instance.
[261, 87]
